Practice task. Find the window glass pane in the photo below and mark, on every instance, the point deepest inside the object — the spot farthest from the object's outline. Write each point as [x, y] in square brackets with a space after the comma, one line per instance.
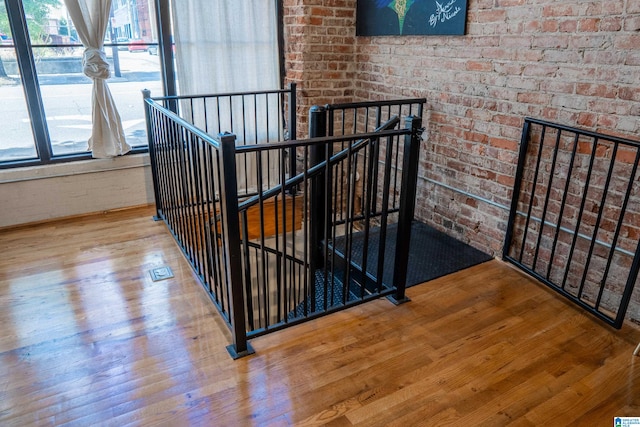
[137, 70]
[66, 96]
[66, 91]
[136, 63]
[16, 137]
[41, 28]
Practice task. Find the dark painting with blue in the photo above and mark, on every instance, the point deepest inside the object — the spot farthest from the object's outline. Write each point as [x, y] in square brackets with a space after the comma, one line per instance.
[411, 17]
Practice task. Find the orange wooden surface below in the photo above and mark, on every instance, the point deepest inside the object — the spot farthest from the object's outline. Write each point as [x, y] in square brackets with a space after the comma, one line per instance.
[269, 219]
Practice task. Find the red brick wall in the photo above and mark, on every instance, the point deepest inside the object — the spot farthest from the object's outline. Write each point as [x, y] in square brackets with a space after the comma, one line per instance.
[572, 62]
[319, 52]
[575, 62]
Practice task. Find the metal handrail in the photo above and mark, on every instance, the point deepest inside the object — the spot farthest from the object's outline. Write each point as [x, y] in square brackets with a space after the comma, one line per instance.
[221, 95]
[361, 141]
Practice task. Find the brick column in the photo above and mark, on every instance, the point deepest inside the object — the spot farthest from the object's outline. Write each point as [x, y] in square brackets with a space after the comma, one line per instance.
[319, 52]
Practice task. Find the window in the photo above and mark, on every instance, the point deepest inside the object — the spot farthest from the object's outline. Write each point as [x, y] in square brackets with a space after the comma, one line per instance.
[46, 106]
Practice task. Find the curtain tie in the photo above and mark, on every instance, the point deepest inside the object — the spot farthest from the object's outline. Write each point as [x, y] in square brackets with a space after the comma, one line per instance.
[94, 64]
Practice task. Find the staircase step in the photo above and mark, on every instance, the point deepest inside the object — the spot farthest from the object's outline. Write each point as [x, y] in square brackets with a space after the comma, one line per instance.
[334, 289]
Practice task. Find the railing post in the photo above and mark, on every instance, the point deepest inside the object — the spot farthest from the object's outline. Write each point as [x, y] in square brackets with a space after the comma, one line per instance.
[318, 201]
[146, 96]
[407, 207]
[231, 242]
[292, 130]
[524, 145]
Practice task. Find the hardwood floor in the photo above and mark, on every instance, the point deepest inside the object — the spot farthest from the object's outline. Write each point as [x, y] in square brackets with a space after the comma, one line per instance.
[88, 339]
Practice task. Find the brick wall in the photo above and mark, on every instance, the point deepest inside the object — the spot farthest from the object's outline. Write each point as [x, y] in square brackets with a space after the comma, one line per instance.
[572, 62]
[320, 52]
[577, 63]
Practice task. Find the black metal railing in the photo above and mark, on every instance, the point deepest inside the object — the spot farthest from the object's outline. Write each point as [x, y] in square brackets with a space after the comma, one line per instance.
[574, 220]
[362, 197]
[362, 117]
[262, 252]
[188, 187]
[290, 272]
[253, 117]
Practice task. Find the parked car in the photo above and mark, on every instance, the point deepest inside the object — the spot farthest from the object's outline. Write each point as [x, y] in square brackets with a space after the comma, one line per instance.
[138, 46]
[123, 41]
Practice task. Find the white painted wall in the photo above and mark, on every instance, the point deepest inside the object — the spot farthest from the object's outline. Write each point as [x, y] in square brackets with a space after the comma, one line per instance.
[42, 193]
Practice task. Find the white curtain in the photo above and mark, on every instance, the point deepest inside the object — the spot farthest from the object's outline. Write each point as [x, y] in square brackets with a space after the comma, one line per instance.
[90, 18]
[226, 46]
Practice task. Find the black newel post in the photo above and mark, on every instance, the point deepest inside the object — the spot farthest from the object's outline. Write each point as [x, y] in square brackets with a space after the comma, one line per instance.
[524, 146]
[407, 206]
[231, 242]
[318, 200]
[293, 106]
[146, 95]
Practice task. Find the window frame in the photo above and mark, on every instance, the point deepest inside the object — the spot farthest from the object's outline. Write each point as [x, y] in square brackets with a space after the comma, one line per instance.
[33, 97]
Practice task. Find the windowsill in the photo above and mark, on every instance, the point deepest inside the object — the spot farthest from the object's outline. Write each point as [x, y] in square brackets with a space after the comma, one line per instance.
[82, 167]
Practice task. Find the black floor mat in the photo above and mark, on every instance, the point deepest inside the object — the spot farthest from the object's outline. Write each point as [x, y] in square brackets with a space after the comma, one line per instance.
[432, 253]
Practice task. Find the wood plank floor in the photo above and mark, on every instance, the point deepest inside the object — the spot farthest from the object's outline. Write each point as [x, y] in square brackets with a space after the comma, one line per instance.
[88, 339]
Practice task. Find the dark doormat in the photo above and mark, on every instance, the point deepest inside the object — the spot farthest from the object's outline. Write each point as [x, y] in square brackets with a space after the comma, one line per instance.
[432, 253]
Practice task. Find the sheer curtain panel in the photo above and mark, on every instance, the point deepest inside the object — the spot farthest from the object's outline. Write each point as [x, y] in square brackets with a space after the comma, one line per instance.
[90, 18]
[231, 46]
[226, 46]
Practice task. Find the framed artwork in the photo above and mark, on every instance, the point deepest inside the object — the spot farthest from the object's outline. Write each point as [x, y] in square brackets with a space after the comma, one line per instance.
[411, 17]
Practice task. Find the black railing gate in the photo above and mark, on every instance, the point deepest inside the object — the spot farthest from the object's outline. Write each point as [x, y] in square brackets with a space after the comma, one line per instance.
[572, 223]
